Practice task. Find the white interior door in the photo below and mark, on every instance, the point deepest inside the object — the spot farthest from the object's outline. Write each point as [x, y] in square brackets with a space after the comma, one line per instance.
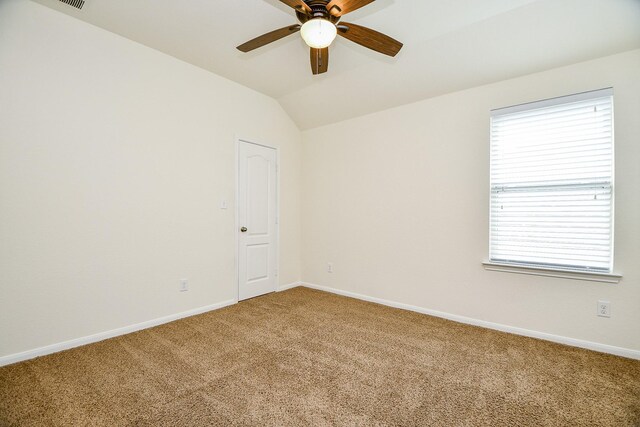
[257, 220]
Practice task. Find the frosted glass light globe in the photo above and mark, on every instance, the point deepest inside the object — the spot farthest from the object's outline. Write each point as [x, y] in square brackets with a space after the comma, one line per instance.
[318, 33]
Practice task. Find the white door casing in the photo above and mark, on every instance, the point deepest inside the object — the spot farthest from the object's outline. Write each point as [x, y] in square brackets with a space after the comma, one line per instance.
[257, 220]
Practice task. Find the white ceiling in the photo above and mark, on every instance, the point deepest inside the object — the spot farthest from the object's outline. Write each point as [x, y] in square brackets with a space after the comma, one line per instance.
[448, 45]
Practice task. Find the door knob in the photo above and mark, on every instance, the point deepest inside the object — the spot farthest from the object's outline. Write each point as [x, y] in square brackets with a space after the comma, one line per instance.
[243, 229]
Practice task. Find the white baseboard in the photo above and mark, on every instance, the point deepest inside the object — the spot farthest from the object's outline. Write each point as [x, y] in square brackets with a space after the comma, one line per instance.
[289, 286]
[589, 345]
[77, 342]
[54, 348]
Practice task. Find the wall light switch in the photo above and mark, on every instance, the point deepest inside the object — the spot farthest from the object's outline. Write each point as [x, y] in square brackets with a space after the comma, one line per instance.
[223, 204]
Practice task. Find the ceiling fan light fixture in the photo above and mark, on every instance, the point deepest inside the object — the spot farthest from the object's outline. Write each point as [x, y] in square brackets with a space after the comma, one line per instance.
[318, 19]
[318, 33]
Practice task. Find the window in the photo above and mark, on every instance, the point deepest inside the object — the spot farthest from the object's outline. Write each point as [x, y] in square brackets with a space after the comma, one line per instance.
[552, 184]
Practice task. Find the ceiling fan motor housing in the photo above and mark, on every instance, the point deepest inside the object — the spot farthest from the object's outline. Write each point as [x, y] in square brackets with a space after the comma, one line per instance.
[318, 10]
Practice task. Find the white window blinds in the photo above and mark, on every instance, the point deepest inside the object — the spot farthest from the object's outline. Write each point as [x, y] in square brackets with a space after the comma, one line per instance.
[552, 183]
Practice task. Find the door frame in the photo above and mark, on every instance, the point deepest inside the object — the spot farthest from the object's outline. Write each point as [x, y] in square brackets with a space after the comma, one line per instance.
[238, 141]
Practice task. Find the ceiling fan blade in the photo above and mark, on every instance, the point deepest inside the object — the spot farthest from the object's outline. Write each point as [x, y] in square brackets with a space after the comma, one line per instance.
[268, 38]
[319, 60]
[342, 7]
[298, 5]
[369, 38]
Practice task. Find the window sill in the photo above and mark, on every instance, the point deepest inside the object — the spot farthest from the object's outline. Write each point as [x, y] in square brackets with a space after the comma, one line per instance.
[548, 272]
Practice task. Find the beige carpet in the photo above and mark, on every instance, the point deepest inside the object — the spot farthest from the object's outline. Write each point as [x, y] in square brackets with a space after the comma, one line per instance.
[304, 357]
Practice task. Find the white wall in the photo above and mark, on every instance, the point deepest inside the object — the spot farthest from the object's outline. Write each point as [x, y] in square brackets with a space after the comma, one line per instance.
[113, 160]
[398, 201]
[114, 157]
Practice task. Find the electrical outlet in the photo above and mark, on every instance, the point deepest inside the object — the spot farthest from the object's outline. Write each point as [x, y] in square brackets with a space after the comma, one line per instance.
[184, 285]
[329, 267]
[604, 309]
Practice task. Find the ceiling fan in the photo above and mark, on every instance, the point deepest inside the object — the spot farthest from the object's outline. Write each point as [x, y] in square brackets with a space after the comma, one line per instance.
[319, 25]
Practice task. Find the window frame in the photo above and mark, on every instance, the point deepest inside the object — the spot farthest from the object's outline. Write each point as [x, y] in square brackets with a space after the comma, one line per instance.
[550, 269]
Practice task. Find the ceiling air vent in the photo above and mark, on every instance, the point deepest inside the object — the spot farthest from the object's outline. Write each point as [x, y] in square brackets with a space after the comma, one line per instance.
[75, 3]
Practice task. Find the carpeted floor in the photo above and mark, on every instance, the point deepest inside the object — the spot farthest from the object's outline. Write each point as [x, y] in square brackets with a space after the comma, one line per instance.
[304, 357]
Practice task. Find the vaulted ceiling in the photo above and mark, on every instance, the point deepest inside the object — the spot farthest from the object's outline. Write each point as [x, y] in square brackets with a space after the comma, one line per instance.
[448, 45]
